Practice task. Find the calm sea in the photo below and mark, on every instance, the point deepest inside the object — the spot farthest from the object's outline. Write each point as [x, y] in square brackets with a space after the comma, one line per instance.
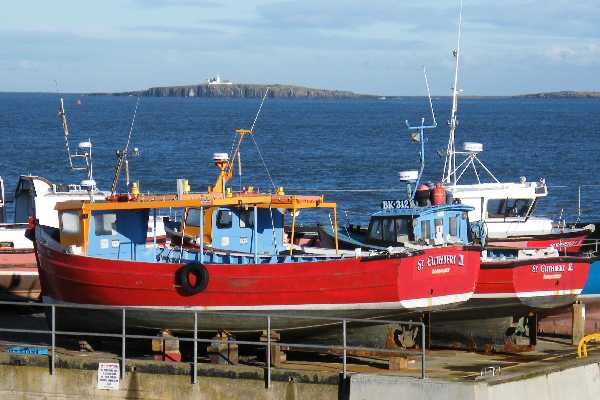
[350, 150]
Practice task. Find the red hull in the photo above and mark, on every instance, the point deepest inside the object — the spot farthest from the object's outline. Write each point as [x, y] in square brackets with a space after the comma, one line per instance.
[347, 284]
[536, 283]
[569, 243]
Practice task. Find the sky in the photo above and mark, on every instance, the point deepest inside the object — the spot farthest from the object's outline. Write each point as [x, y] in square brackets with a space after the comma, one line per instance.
[373, 47]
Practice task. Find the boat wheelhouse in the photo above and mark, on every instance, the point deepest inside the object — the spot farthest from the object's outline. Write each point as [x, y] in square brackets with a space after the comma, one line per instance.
[440, 225]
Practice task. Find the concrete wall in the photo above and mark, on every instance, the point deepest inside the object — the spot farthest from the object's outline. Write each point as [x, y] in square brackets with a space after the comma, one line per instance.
[381, 387]
[34, 382]
[579, 383]
[576, 383]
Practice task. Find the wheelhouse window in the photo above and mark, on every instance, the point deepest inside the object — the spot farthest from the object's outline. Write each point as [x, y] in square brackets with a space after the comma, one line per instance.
[403, 230]
[426, 230]
[70, 222]
[375, 230]
[388, 230]
[193, 217]
[224, 218]
[518, 207]
[503, 208]
[246, 218]
[453, 226]
[105, 224]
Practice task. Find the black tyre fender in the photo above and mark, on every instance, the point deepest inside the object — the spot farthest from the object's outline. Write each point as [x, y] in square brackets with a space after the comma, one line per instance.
[183, 278]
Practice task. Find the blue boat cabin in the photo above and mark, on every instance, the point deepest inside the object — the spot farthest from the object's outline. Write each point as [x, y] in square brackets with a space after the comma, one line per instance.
[433, 225]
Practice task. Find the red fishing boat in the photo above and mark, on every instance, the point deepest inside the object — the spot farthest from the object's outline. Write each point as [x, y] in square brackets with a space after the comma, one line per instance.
[533, 279]
[244, 260]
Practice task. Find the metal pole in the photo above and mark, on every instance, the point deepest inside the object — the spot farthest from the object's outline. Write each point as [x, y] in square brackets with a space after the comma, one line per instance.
[53, 363]
[268, 351]
[123, 357]
[195, 378]
[345, 353]
[255, 234]
[154, 236]
[335, 227]
[579, 201]
[422, 350]
[201, 235]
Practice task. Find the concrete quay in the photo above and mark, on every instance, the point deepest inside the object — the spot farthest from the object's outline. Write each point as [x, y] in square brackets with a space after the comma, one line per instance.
[551, 372]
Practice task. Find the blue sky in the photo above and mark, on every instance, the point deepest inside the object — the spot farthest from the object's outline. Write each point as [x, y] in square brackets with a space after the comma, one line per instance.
[375, 46]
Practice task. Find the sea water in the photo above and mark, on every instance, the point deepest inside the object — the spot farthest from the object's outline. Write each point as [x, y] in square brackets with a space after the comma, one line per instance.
[348, 150]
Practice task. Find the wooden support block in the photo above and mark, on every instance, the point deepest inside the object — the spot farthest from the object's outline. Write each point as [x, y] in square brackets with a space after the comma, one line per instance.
[578, 322]
[398, 363]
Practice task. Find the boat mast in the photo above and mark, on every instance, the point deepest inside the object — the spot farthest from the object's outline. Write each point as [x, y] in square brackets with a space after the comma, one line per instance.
[421, 138]
[227, 165]
[123, 156]
[83, 151]
[450, 162]
[63, 116]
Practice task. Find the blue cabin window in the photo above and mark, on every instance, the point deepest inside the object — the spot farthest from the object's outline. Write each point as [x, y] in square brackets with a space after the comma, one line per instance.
[193, 217]
[224, 218]
[453, 226]
[402, 230]
[425, 230]
[247, 219]
[70, 222]
[375, 230]
[388, 230]
[105, 224]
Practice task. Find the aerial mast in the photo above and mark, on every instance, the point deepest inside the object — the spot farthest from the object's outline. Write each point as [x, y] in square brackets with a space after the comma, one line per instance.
[450, 162]
[84, 151]
[419, 137]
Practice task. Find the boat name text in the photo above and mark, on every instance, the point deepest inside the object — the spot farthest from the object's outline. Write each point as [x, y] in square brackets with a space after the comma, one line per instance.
[445, 259]
[571, 243]
[544, 268]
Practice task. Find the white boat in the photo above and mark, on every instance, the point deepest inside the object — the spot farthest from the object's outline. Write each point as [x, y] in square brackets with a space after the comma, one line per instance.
[505, 209]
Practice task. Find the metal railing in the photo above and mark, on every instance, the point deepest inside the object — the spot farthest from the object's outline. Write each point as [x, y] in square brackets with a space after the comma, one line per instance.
[344, 348]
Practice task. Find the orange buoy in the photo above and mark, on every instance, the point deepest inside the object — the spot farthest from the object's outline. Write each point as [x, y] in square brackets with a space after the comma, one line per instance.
[439, 194]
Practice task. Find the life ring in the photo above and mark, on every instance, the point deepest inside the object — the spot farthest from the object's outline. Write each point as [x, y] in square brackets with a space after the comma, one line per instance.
[199, 282]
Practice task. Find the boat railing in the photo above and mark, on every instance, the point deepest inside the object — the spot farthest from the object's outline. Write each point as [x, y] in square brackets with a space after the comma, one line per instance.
[343, 349]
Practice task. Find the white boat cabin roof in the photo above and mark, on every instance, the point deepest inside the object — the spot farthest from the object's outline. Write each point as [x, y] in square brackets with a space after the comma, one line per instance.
[494, 190]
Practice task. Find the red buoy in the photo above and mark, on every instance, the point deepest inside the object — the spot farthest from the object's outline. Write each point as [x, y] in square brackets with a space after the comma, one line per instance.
[439, 194]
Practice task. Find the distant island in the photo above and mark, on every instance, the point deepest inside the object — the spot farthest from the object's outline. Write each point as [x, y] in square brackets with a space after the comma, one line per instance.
[240, 90]
[561, 94]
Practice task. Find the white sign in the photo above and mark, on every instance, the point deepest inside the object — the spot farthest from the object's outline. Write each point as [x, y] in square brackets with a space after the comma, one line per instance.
[108, 376]
[392, 204]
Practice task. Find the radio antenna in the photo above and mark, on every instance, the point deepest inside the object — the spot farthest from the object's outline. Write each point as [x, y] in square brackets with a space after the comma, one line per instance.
[83, 152]
[419, 133]
[450, 162]
[123, 155]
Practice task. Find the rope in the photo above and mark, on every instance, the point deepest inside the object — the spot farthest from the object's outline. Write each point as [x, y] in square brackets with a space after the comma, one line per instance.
[348, 190]
[137, 103]
[122, 158]
[256, 144]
